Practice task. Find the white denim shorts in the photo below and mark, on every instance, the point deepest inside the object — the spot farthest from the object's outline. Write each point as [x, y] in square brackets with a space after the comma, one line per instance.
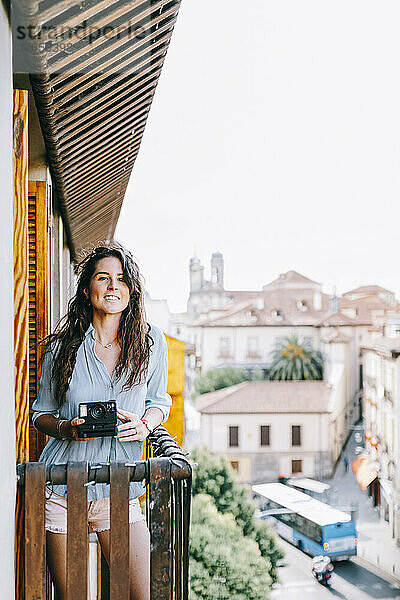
[98, 513]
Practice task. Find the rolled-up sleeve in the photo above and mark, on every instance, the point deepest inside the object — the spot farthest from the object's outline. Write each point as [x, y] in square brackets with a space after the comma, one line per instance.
[157, 380]
[45, 402]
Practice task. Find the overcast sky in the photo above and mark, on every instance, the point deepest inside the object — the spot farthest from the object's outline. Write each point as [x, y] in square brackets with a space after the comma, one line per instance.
[274, 138]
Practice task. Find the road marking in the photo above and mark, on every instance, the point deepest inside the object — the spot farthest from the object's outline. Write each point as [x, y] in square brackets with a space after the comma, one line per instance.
[296, 584]
[305, 585]
[307, 589]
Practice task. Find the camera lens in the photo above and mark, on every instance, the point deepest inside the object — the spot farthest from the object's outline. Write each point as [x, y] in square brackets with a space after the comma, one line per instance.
[97, 412]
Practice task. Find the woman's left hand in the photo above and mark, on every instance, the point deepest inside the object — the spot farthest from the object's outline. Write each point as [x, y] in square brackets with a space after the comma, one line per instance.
[132, 428]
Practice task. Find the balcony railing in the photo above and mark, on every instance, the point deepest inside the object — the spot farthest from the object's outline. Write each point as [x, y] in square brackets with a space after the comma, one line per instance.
[225, 354]
[168, 477]
[253, 354]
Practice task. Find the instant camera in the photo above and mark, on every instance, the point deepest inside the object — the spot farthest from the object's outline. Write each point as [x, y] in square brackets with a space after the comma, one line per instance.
[100, 419]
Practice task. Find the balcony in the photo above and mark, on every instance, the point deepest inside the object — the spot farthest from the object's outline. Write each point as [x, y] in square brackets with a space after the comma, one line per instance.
[168, 477]
[253, 354]
[226, 354]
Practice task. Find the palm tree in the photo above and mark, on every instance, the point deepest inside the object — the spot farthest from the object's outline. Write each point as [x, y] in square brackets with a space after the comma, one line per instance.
[294, 360]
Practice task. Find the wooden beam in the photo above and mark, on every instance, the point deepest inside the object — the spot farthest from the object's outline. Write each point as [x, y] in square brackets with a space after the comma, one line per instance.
[119, 531]
[35, 558]
[21, 298]
[77, 536]
[39, 293]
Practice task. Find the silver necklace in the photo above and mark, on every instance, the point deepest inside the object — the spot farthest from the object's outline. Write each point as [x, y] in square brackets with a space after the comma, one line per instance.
[106, 345]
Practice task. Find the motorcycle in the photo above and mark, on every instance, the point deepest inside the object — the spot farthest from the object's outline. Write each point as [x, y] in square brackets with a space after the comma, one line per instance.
[322, 568]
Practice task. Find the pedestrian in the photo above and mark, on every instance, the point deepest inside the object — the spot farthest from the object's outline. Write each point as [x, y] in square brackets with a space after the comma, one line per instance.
[346, 463]
[102, 350]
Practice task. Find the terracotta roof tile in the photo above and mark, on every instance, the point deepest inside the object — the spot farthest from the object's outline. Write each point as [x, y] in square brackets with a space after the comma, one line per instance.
[267, 397]
[290, 277]
[338, 319]
[286, 300]
[374, 289]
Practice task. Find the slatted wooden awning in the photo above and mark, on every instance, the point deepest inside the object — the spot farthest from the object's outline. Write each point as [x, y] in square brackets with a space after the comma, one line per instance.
[94, 68]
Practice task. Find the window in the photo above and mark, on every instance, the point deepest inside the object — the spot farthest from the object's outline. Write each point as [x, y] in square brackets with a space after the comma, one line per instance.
[277, 315]
[235, 465]
[350, 312]
[253, 316]
[264, 435]
[252, 344]
[307, 528]
[298, 522]
[225, 347]
[302, 305]
[296, 435]
[233, 436]
[224, 343]
[296, 467]
[252, 347]
[308, 342]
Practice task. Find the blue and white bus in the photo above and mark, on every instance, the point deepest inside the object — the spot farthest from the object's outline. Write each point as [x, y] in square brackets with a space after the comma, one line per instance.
[311, 525]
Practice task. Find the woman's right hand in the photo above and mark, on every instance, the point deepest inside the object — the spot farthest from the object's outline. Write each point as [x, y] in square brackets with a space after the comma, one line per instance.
[71, 428]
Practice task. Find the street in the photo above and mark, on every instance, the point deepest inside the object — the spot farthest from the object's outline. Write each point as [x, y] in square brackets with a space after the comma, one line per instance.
[351, 581]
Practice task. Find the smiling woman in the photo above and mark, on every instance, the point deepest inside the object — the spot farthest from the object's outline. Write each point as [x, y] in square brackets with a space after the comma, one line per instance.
[108, 291]
[104, 351]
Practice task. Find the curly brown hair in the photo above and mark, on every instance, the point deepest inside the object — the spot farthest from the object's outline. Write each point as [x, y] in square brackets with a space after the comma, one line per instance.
[133, 332]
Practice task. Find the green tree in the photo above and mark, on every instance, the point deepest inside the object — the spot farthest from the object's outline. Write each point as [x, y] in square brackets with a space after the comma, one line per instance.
[295, 361]
[216, 379]
[216, 543]
[214, 476]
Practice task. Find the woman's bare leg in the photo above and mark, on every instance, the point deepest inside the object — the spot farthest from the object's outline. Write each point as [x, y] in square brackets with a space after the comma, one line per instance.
[139, 558]
[57, 562]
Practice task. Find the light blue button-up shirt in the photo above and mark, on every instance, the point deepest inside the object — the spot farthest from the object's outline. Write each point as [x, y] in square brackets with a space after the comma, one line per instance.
[91, 382]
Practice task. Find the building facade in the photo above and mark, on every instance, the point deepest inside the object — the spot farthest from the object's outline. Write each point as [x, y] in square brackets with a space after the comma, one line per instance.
[270, 429]
[242, 328]
[381, 397]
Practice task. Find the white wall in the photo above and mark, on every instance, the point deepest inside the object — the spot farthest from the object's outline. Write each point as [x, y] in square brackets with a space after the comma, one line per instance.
[7, 410]
[210, 344]
[215, 432]
[158, 313]
[314, 437]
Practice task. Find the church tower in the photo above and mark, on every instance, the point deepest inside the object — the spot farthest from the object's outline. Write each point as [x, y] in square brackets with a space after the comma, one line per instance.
[196, 274]
[217, 271]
